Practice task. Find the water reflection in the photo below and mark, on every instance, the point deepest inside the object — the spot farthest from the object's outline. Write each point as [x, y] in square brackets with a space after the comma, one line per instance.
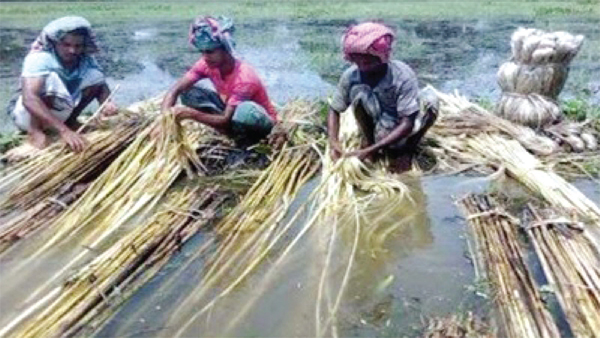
[282, 301]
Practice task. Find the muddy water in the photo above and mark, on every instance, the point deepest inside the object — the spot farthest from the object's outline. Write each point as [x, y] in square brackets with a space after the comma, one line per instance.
[418, 270]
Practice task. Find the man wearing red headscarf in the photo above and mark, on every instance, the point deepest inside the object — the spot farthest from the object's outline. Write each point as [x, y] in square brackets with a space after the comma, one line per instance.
[385, 98]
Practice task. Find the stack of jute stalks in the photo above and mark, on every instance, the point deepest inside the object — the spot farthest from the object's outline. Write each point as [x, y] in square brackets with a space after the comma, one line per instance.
[570, 259]
[501, 260]
[129, 188]
[461, 120]
[81, 304]
[253, 231]
[261, 227]
[535, 75]
[42, 187]
[528, 170]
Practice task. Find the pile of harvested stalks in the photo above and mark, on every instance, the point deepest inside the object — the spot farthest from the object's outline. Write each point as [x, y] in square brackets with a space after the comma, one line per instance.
[500, 258]
[44, 186]
[461, 120]
[525, 168]
[261, 227]
[82, 303]
[128, 190]
[251, 231]
[570, 259]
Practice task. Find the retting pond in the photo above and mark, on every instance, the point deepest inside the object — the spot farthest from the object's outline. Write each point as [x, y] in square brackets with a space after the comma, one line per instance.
[424, 271]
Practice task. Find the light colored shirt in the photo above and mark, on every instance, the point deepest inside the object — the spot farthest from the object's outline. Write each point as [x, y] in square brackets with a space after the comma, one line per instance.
[42, 63]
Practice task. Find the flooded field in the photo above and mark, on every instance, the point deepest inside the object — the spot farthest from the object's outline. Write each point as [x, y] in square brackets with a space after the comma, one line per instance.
[422, 270]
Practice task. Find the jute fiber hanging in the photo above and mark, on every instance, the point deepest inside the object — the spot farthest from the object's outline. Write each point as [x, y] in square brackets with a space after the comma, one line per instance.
[534, 76]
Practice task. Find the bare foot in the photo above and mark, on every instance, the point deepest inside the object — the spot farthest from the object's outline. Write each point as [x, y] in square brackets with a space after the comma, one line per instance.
[20, 153]
[38, 139]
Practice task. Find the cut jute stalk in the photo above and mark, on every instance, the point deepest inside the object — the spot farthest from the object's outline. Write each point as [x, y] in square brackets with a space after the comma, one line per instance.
[571, 262]
[528, 170]
[516, 294]
[91, 294]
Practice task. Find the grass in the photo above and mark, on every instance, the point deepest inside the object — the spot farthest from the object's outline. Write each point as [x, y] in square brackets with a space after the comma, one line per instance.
[34, 13]
[9, 140]
[579, 109]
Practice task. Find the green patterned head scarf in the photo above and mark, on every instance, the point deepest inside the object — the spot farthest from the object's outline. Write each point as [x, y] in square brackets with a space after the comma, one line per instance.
[208, 33]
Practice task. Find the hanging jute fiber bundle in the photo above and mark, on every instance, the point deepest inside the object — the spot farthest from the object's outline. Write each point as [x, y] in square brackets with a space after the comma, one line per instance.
[535, 75]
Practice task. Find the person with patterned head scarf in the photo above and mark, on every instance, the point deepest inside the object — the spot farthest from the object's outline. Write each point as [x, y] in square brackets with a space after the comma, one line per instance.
[238, 106]
[60, 77]
[384, 95]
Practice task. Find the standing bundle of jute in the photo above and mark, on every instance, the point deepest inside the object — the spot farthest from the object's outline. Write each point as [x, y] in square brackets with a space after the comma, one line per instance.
[534, 76]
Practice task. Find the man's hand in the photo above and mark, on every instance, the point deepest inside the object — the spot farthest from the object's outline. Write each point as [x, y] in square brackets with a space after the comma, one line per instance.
[362, 154]
[179, 113]
[76, 142]
[277, 138]
[336, 150]
[109, 109]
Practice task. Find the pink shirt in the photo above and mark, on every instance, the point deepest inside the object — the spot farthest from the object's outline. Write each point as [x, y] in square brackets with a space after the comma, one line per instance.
[243, 84]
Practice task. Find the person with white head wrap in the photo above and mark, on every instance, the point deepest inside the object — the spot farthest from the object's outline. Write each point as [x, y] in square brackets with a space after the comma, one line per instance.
[60, 77]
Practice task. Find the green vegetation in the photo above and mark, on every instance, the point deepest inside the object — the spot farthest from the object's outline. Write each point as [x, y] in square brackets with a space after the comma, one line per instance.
[9, 140]
[28, 14]
[579, 109]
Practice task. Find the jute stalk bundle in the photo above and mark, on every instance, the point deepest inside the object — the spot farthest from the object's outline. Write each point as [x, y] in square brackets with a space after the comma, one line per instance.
[130, 187]
[499, 256]
[90, 295]
[49, 187]
[37, 217]
[536, 74]
[571, 261]
[256, 229]
[251, 232]
[459, 117]
[525, 168]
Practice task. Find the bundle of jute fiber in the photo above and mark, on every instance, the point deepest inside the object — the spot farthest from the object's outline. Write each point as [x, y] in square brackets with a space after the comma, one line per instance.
[574, 135]
[535, 75]
[570, 259]
[91, 294]
[500, 259]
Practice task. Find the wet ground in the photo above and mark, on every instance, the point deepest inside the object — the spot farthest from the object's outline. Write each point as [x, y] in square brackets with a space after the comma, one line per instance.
[425, 271]
[303, 59]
